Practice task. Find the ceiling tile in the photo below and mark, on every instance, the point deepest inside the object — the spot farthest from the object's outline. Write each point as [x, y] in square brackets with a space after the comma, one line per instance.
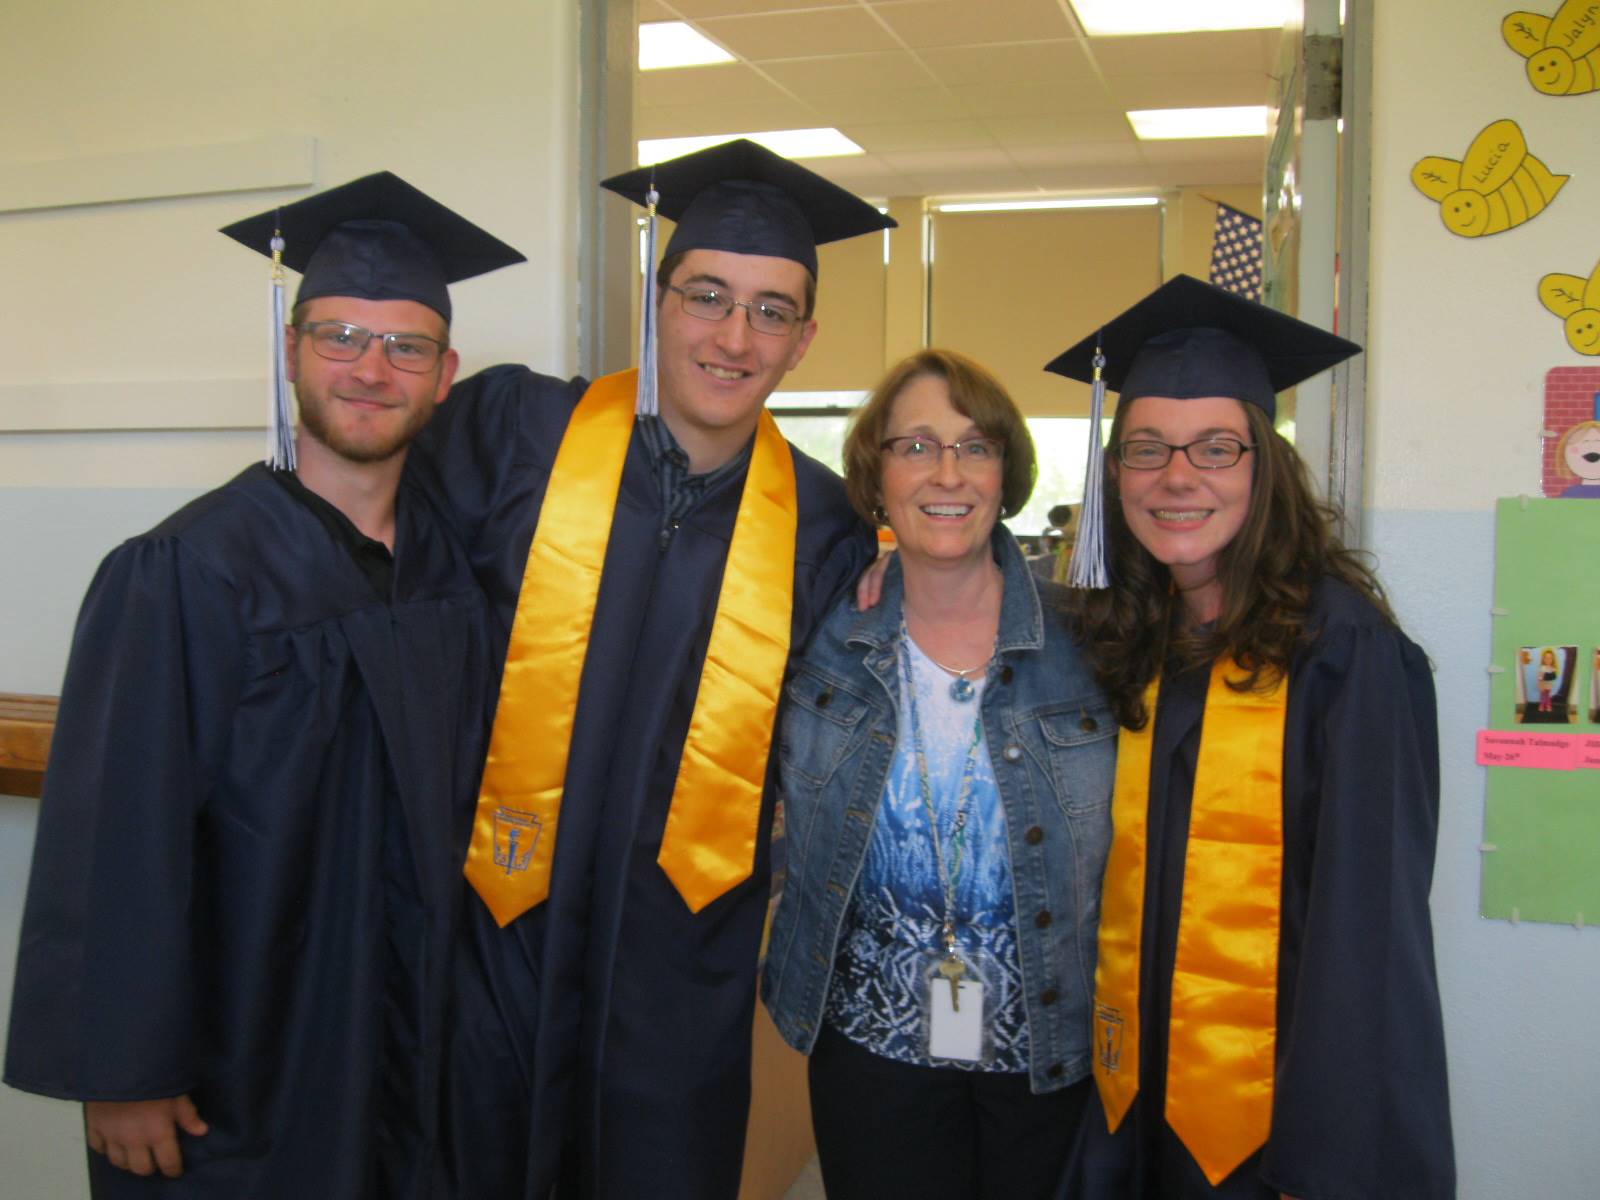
[1102, 154]
[650, 11]
[1032, 99]
[864, 174]
[886, 137]
[921, 162]
[1096, 127]
[1026, 62]
[827, 78]
[730, 84]
[1189, 91]
[695, 9]
[799, 34]
[1005, 181]
[695, 120]
[972, 22]
[1247, 50]
[1207, 150]
[912, 104]
[1096, 178]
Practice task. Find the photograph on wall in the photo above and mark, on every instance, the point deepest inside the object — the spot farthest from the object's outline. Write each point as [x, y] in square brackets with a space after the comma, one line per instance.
[1571, 461]
[1541, 827]
[1497, 185]
[1547, 685]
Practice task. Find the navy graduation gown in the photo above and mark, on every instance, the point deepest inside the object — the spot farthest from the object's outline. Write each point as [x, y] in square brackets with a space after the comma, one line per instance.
[1360, 1103]
[604, 1036]
[246, 874]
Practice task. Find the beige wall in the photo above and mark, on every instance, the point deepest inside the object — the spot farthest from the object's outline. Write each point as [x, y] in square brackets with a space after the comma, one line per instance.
[1014, 289]
[130, 313]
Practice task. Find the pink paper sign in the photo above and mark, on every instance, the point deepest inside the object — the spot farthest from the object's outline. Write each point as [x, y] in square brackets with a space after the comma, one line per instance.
[1589, 751]
[1542, 751]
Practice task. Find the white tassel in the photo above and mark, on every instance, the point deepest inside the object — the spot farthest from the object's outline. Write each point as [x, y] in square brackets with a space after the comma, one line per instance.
[1088, 569]
[647, 405]
[280, 420]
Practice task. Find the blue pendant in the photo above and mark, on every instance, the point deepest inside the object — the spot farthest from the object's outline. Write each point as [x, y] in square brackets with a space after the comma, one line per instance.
[962, 690]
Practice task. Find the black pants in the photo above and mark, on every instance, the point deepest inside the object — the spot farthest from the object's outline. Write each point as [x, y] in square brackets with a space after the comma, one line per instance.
[891, 1129]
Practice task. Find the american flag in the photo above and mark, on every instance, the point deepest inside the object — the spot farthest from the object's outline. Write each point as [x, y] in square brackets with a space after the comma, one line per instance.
[1236, 253]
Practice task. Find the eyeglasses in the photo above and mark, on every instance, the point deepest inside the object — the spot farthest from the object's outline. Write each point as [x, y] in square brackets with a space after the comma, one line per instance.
[711, 305]
[414, 352]
[971, 453]
[1206, 454]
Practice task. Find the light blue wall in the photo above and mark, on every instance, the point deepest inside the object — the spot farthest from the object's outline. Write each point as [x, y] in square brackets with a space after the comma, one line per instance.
[1519, 1000]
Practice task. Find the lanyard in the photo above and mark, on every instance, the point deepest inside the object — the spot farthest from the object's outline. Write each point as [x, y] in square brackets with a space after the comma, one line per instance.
[949, 872]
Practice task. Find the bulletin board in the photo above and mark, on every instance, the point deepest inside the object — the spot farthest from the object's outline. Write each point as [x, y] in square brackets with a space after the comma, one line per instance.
[1541, 848]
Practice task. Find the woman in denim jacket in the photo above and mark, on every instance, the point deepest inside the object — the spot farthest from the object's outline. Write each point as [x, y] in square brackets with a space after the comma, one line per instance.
[946, 762]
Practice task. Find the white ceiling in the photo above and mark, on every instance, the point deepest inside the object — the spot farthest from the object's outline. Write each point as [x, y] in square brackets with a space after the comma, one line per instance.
[961, 97]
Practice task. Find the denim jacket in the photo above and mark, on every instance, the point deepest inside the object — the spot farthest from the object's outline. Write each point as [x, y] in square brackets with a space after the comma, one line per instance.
[1052, 738]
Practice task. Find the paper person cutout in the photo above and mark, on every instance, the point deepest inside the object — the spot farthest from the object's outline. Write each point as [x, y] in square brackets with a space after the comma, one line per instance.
[1563, 51]
[1577, 302]
[1497, 186]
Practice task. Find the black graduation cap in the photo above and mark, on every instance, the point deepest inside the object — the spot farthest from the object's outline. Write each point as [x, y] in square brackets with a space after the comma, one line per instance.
[1186, 340]
[1189, 339]
[376, 238]
[741, 197]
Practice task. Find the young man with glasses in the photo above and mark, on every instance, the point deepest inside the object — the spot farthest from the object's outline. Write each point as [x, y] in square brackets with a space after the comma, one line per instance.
[246, 879]
[653, 550]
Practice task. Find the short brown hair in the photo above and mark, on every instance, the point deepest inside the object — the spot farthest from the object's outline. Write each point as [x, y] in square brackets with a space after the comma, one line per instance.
[974, 393]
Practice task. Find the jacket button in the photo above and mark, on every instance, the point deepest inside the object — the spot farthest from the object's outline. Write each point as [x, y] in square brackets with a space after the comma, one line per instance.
[1088, 724]
[1056, 1071]
[824, 699]
[1049, 996]
[1042, 918]
[1034, 836]
[1005, 674]
[1012, 753]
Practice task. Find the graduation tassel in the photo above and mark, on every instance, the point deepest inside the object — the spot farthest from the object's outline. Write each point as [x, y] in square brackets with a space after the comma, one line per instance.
[280, 424]
[1088, 569]
[646, 405]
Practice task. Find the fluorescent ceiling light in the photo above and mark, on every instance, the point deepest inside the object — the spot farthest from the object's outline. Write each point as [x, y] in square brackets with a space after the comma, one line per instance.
[1162, 124]
[791, 143]
[665, 44]
[1033, 205]
[1116, 18]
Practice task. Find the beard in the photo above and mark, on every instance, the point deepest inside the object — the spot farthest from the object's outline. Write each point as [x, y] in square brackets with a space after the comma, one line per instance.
[358, 445]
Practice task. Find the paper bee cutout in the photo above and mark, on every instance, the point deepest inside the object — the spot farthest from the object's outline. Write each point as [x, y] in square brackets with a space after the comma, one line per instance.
[1497, 186]
[1563, 51]
[1577, 302]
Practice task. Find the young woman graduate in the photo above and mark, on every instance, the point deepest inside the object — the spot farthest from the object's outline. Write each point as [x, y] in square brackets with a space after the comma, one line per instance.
[1267, 1014]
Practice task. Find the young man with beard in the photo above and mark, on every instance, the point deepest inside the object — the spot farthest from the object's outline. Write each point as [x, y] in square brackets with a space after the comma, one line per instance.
[246, 876]
[649, 572]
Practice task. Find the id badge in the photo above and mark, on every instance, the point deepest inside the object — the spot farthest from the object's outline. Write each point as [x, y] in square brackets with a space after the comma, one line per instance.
[956, 1006]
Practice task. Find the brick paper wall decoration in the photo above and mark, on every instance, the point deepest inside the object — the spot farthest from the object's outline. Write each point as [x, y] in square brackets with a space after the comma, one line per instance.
[1571, 459]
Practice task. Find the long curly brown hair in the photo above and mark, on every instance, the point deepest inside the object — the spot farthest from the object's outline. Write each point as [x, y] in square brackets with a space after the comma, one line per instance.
[1286, 544]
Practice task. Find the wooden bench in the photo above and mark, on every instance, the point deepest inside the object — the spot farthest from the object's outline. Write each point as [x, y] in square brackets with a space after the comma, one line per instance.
[27, 724]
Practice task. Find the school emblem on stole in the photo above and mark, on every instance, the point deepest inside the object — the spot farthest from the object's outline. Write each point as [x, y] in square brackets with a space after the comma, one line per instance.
[516, 834]
[1108, 1036]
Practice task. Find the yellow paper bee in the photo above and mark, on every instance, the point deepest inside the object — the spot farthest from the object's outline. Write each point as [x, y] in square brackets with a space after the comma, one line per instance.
[1496, 187]
[1563, 51]
[1576, 301]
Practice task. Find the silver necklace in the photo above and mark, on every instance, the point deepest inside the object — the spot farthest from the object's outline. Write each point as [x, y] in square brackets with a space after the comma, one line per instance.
[961, 689]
